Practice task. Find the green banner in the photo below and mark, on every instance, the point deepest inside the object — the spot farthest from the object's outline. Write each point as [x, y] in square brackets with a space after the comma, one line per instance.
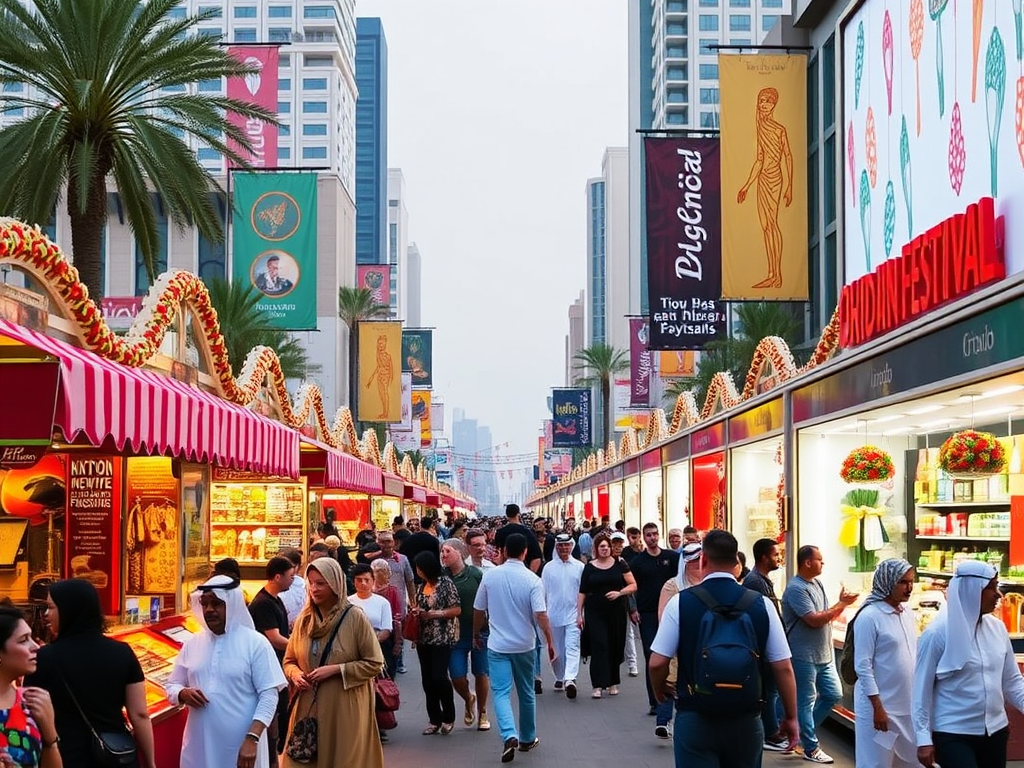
[274, 242]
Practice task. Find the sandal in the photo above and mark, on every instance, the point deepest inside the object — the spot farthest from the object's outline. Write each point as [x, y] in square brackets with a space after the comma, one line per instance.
[430, 730]
[613, 691]
[447, 728]
[484, 724]
[470, 717]
[596, 694]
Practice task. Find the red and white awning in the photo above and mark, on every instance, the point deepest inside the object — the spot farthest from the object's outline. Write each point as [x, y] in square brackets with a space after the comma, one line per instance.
[153, 414]
[330, 468]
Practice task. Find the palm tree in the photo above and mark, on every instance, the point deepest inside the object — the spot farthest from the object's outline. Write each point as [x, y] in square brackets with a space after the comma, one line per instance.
[354, 306]
[244, 327]
[109, 91]
[601, 362]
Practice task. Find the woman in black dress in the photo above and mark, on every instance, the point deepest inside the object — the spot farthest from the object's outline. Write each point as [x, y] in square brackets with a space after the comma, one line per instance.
[602, 615]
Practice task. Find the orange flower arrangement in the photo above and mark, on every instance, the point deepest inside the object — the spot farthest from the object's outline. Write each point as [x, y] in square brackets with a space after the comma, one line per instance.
[867, 464]
[972, 453]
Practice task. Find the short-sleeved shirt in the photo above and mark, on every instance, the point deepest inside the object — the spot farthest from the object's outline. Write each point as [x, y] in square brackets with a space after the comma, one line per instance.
[651, 572]
[511, 594]
[758, 582]
[377, 610]
[807, 643]
[268, 612]
[467, 582]
[533, 550]
[401, 575]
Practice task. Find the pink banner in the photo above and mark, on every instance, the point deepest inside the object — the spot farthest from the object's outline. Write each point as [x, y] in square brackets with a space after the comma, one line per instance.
[259, 88]
[639, 363]
[376, 278]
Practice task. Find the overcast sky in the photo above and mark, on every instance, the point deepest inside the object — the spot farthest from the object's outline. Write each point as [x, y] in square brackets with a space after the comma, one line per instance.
[498, 113]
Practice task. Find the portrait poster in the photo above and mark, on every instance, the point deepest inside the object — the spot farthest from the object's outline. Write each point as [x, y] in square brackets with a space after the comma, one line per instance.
[152, 523]
[684, 242]
[421, 412]
[274, 242]
[764, 177]
[417, 356]
[639, 363]
[379, 377]
[572, 418]
[376, 278]
[259, 88]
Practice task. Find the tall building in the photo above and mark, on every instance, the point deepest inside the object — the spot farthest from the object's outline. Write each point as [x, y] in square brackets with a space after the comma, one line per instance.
[474, 469]
[414, 287]
[575, 340]
[316, 108]
[612, 290]
[371, 142]
[398, 242]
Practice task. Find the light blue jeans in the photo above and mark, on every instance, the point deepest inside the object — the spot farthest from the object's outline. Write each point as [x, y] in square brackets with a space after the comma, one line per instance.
[817, 690]
[508, 670]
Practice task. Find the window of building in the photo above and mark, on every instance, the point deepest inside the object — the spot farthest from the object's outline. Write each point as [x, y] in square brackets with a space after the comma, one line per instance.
[176, 13]
[14, 87]
[315, 107]
[675, 73]
[212, 11]
[212, 256]
[317, 61]
[708, 3]
[284, 153]
[142, 281]
[676, 6]
[741, 41]
[708, 120]
[767, 22]
[676, 51]
[675, 28]
[14, 112]
[708, 71]
[245, 34]
[708, 95]
[739, 23]
[314, 153]
[209, 86]
[284, 130]
[245, 11]
[771, 3]
[285, 60]
[707, 45]
[284, 84]
[216, 32]
[319, 12]
[828, 77]
[176, 88]
[739, 3]
[314, 129]
[707, 23]
[207, 154]
[676, 97]
[675, 118]
[279, 12]
[279, 34]
[284, 107]
[314, 83]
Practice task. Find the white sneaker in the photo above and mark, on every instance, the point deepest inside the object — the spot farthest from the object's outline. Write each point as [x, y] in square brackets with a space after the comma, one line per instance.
[633, 672]
[559, 685]
[819, 756]
[662, 732]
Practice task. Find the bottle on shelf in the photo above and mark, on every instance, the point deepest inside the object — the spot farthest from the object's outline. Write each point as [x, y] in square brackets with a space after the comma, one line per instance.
[945, 487]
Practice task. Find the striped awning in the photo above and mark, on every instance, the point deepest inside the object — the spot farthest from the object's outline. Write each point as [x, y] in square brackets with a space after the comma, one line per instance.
[153, 414]
[332, 469]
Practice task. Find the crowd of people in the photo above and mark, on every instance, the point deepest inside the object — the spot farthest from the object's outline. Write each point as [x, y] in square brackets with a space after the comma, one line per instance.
[289, 675]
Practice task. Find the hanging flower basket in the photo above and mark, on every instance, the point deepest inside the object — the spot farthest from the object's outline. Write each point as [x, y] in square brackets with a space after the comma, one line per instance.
[867, 464]
[968, 455]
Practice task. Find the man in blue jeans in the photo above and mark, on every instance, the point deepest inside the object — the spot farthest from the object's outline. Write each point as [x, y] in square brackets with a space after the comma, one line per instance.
[511, 601]
[808, 618]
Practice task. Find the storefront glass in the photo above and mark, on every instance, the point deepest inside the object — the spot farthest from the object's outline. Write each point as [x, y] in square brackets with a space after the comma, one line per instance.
[631, 502]
[650, 497]
[755, 473]
[676, 512]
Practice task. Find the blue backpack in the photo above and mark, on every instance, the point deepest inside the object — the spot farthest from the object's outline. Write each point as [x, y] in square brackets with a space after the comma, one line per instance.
[727, 662]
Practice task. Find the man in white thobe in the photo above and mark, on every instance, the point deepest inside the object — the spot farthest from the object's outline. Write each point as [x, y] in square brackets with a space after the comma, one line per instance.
[561, 579]
[229, 678]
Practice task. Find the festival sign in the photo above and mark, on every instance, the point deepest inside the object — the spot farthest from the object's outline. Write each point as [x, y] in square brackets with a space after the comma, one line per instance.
[764, 177]
[376, 278]
[93, 550]
[379, 379]
[684, 256]
[417, 356]
[571, 427]
[421, 412]
[639, 363]
[151, 527]
[258, 88]
[929, 123]
[274, 241]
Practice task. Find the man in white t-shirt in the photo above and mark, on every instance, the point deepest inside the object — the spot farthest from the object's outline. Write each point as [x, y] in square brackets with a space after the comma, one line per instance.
[376, 608]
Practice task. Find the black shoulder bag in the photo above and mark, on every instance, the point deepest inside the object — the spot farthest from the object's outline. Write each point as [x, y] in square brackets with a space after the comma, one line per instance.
[303, 740]
[110, 749]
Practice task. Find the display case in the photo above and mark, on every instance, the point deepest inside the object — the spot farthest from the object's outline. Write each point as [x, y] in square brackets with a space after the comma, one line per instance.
[253, 519]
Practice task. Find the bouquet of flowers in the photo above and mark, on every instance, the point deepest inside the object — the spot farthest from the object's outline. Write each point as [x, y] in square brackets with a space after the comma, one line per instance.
[972, 453]
[867, 464]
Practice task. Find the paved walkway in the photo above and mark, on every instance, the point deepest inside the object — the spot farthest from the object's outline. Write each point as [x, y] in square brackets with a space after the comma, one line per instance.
[613, 732]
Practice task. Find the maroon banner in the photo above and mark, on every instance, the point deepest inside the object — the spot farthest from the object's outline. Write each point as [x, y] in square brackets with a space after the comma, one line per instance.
[259, 88]
[639, 363]
[376, 278]
[684, 242]
[93, 550]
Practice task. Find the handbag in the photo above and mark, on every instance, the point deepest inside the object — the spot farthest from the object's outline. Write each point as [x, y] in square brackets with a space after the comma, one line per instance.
[110, 749]
[386, 693]
[386, 721]
[304, 737]
[411, 627]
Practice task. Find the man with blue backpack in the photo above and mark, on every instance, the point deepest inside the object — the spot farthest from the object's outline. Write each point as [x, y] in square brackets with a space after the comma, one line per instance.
[724, 636]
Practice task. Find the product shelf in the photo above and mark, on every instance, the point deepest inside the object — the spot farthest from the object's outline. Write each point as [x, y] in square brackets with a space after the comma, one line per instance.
[960, 504]
[964, 538]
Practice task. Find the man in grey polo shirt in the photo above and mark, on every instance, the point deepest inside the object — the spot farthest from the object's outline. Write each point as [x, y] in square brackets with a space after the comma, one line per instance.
[511, 600]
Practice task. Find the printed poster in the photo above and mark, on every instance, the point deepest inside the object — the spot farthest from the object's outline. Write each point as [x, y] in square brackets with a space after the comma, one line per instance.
[152, 548]
[572, 418]
[259, 87]
[376, 278]
[379, 379]
[417, 356]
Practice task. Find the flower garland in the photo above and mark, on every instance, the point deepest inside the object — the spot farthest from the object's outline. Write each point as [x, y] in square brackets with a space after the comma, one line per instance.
[867, 464]
[972, 453]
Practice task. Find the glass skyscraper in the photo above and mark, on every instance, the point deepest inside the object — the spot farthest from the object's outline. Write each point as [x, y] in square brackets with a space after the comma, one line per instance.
[371, 142]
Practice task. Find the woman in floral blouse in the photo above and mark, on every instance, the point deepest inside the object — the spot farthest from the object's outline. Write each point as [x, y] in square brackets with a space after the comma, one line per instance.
[437, 602]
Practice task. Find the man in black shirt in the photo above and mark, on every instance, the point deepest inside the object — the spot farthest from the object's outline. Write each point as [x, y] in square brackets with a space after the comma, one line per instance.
[545, 540]
[423, 540]
[635, 544]
[270, 617]
[651, 569]
[534, 556]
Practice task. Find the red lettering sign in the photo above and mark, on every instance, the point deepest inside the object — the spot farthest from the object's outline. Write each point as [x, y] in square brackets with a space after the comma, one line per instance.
[950, 260]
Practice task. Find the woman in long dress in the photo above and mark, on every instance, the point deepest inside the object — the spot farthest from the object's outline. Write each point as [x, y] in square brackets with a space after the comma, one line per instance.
[601, 612]
[343, 685]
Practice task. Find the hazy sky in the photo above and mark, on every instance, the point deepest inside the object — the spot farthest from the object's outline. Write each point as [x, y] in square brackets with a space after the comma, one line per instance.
[498, 113]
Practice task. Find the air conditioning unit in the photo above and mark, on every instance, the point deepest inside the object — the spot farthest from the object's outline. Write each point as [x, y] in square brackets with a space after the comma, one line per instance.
[298, 37]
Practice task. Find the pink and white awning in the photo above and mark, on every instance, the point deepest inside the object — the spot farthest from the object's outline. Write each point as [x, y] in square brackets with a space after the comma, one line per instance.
[154, 414]
[330, 468]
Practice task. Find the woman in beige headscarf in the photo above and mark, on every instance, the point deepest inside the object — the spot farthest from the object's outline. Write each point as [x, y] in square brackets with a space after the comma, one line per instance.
[343, 685]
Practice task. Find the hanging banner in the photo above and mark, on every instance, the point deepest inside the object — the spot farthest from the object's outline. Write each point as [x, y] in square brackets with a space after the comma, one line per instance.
[380, 386]
[421, 412]
[417, 357]
[684, 248]
[405, 425]
[258, 88]
[571, 428]
[764, 177]
[677, 365]
[93, 498]
[639, 363]
[437, 419]
[407, 441]
[376, 278]
[274, 241]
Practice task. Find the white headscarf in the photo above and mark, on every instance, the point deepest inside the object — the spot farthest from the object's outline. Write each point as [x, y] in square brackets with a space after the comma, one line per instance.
[963, 612]
[687, 554]
[229, 590]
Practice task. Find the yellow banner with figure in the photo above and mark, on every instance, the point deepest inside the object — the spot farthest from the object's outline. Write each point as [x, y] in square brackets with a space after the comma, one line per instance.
[764, 176]
[380, 371]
